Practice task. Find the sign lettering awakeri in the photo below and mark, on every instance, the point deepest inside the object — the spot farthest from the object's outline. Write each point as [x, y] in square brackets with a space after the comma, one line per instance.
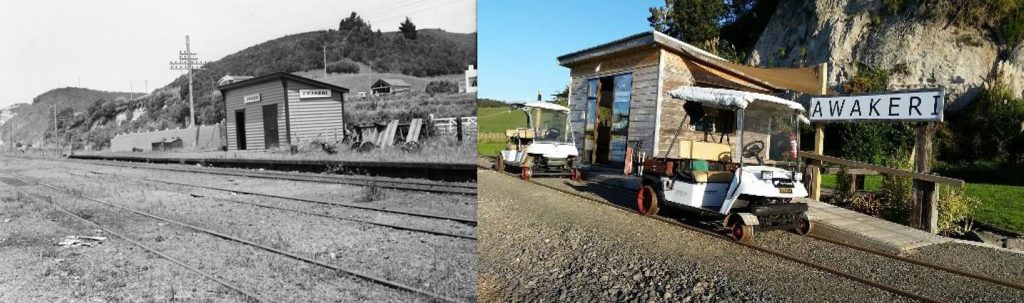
[922, 105]
[314, 93]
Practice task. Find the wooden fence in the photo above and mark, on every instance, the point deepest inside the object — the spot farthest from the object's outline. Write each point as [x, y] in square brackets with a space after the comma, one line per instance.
[450, 126]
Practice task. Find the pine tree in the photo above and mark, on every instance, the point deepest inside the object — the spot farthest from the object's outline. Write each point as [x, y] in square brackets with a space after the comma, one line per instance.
[408, 29]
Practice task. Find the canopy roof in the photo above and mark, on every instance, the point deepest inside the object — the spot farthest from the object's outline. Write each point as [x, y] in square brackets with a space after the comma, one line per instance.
[546, 105]
[734, 99]
[804, 79]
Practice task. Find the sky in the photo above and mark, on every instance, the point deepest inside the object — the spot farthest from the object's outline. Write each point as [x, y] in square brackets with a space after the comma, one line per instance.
[120, 45]
[519, 41]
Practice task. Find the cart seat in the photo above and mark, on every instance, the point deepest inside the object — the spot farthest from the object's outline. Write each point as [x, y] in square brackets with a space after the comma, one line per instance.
[712, 176]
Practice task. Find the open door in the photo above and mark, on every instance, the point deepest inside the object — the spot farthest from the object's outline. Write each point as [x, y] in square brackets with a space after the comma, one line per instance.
[607, 124]
[240, 129]
[270, 136]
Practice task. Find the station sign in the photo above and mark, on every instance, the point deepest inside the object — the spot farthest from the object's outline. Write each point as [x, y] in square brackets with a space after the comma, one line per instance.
[314, 93]
[251, 98]
[918, 105]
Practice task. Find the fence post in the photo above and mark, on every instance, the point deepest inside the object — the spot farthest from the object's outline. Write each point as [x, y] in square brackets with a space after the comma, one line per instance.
[458, 128]
[924, 214]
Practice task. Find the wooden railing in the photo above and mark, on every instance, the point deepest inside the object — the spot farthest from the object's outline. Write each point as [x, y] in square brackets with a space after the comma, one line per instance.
[451, 125]
[926, 186]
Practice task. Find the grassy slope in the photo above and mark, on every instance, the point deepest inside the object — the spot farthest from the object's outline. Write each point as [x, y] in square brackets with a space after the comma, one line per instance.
[498, 119]
[1000, 205]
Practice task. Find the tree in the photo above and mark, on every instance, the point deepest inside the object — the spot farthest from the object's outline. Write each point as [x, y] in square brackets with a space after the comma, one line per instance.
[562, 97]
[693, 21]
[408, 29]
[354, 22]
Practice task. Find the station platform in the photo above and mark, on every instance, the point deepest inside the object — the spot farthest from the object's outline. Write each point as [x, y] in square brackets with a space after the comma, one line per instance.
[830, 221]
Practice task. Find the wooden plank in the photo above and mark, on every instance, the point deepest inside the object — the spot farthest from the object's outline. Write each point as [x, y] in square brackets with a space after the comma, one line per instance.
[414, 130]
[884, 170]
[924, 214]
[388, 135]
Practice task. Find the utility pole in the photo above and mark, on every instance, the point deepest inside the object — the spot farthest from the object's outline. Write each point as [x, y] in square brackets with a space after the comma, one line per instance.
[325, 61]
[188, 61]
[55, 121]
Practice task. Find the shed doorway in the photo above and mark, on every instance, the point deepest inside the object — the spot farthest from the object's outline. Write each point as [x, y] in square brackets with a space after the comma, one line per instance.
[270, 136]
[240, 128]
[607, 121]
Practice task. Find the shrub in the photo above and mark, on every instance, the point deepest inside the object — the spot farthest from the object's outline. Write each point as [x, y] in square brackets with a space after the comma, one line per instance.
[343, 67]
[442, 86]
[988, 129]
[896, 192]
[955, 208]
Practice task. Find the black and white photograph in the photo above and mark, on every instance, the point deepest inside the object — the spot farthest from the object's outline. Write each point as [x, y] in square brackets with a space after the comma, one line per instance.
[238, 151]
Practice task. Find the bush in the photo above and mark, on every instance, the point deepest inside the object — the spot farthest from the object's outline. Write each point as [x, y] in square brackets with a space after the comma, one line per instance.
[442, 86]
[988, 129]
[896, 193]
[955, 207]
[343, 67]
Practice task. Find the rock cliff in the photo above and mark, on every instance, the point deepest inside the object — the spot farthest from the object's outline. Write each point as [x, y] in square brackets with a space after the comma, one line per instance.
[918, 53]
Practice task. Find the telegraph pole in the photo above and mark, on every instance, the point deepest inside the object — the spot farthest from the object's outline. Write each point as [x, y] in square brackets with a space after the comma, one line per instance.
[188, 61]
[325, 61]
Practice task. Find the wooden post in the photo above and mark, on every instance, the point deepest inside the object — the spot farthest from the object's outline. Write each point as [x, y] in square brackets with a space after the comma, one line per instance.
[819, 139]
[924, 214]
[458, 128]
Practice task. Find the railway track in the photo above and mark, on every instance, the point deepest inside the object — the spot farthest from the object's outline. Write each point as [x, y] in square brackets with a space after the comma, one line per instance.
[789, 257]
[250, 296]
[392, 226]
[461, 188]
[371, 278]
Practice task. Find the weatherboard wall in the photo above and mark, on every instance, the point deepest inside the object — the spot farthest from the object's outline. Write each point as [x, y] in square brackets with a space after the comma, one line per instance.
[644, 66]
[311, 118]
[271, 92]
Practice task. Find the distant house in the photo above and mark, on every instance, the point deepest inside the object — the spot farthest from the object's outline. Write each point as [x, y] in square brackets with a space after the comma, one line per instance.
[228, 79]
[390, 87]
[471, 79]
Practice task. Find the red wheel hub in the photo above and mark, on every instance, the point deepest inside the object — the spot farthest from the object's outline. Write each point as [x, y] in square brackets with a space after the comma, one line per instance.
[737, 231]
[642, 199]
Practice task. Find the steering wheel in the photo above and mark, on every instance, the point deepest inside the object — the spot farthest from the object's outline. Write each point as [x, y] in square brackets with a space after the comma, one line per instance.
[551, 133]
[753, 149]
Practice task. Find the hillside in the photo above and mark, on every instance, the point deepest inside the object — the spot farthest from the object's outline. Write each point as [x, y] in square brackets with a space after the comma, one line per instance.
[356, 56]
[31, 124]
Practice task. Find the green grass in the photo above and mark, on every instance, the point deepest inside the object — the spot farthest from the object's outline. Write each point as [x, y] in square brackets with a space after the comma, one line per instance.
[489, 148]
[498, 119]
[1001, 205]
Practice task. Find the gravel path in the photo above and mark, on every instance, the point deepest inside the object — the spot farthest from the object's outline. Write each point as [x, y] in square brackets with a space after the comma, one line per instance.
[932, 283]
[540, 245]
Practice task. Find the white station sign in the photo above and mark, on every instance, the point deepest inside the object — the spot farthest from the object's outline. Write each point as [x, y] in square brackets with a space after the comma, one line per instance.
[314, 93]
[921, 105]
[251, 98]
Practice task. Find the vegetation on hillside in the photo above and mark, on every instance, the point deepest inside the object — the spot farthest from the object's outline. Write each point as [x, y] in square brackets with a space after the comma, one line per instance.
[728, 28]
[1003, 19]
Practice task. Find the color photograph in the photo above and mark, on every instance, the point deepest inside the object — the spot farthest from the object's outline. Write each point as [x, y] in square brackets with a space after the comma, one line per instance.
[751, 151]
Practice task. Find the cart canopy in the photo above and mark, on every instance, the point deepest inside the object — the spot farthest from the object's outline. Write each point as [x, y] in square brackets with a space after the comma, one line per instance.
[734, 99]
[546, 105]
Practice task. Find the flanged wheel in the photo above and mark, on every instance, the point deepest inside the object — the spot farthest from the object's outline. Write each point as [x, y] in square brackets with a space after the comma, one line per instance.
[803, 226]
[499, 164]
[576, 175]
[647, 201]
[526, 173]
[743, 233]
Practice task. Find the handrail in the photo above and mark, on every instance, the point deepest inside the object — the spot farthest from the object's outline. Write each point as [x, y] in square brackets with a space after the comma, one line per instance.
[883, 169]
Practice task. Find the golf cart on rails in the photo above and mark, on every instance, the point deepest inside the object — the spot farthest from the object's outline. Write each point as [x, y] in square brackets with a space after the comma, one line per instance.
[544, 147]
[753, 191]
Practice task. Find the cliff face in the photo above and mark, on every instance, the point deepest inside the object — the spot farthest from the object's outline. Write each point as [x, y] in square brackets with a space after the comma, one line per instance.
[918, 53]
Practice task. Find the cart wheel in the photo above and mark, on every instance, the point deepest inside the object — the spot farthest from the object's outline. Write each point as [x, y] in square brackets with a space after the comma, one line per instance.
[647, 201]
[499, 164]
[526, 173]
[803, 226]
[743, 233]
[576, 175]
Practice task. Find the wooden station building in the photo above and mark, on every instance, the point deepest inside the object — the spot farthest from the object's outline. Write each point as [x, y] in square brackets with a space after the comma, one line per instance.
[619, 93]
[281, 109]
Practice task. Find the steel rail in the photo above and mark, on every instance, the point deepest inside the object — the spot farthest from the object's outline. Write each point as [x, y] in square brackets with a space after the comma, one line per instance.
[750, 246]
[401, 212]
[147, 248]
[398, 227]
[365, 276]
[413, 185]
[959, 272]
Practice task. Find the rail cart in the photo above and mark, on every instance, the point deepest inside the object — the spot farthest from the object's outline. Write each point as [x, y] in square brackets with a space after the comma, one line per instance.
[544, 147]
[754, 191]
